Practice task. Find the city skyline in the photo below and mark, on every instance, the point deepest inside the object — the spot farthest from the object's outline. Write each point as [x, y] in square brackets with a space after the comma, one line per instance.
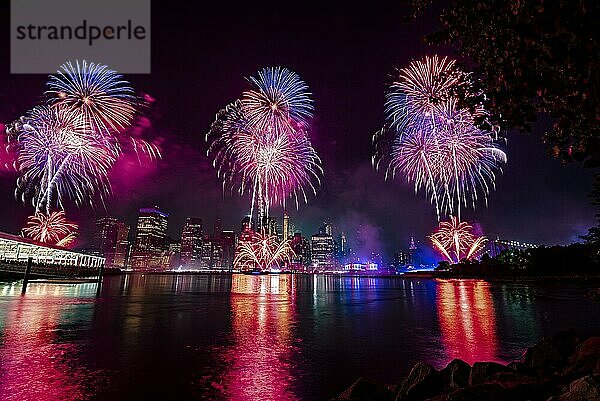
[200, 246]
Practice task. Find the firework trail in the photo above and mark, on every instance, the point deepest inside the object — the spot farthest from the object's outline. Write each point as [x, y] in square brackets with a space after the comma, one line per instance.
[434, 143]
[260, 143]
[264, 252]
[52, 228]
[455, 240]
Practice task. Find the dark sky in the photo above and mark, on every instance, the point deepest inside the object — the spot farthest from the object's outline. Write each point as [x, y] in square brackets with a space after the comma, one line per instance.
[346, 54]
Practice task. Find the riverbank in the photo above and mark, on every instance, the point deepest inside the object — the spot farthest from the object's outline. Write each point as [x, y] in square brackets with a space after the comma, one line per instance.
[561, 368]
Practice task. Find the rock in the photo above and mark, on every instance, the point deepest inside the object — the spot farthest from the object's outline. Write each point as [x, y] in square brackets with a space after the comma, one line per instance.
[481, 371]
[520, 368]
[565, 343]
[544, 358]
[422, 382]
[364, 390]
[456, 375]
[585, 360]
[487, 392]
[587, 388]
[512, 379]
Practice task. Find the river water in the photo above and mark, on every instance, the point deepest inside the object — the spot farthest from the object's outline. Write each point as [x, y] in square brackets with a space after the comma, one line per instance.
[272, 337]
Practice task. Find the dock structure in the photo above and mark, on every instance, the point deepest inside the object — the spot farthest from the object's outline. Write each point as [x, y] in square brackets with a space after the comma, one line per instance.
[24, 257]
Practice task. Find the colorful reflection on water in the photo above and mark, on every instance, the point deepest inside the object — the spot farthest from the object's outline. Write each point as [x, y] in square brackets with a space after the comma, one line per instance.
[260, 360]
[38, 366]
[467, 320]
[270, 337]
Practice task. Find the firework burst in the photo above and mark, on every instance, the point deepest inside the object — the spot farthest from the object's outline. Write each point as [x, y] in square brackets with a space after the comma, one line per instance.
[67, 147]
[260, 143]
[435, 144]
[264, 252]
[104, 99]
[52, 228]
[58, 156]
[455, 240]
[279, 101]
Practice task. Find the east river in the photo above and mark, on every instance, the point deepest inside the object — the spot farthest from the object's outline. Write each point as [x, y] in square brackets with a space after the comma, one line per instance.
[261, 338]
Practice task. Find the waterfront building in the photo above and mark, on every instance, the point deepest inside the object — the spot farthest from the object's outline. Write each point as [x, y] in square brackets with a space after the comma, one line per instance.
[174, 249]
[286, 225]
[191, 243]
[402, 258]
[218, 250]
[150, 249]
[301, 247]
[121, 246]
[323, 249]
[17, 250]
[111, 241]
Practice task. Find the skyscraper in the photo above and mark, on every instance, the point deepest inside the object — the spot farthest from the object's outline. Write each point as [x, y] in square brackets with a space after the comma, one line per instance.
[121, 246]
[218, 249]
[111, 241]
[228, 241]
[301, 248]
[286, 225]
[191, 243]
[327, 228]
[323, 248]
[150, 250]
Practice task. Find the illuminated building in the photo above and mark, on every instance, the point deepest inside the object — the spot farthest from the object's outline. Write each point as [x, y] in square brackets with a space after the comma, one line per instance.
[342, 249]
[150, 250]
[323, 248]
[407, 257]
[301, 248]
[328, 229]
[218, 249]
[361, 266]
[247, 229]
[15, 249]
[402, 258]
[228, 244]
[174, 253]
[111, 241]
[498, 245]
[191, 243]
[286, 225]
[121, 246]
[272, 226]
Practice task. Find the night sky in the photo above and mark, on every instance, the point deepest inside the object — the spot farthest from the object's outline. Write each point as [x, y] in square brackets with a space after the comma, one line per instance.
[346, 55]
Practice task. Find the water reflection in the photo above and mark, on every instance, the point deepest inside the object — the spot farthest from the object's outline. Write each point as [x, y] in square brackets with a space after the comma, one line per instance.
[36, 362]
[467, 320]
[259, 361]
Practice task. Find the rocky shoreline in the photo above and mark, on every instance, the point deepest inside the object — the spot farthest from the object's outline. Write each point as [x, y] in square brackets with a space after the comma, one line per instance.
[561, 368]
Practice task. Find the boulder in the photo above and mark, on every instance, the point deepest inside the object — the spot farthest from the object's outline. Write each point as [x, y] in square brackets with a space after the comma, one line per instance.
[512, 379]
[586, 388]
[456, 375]
[520, 368]
[481, 371]
[364, 390]
[565, 343]
[422, 382]
[544, 358]
[585, 360]
[480, 392]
